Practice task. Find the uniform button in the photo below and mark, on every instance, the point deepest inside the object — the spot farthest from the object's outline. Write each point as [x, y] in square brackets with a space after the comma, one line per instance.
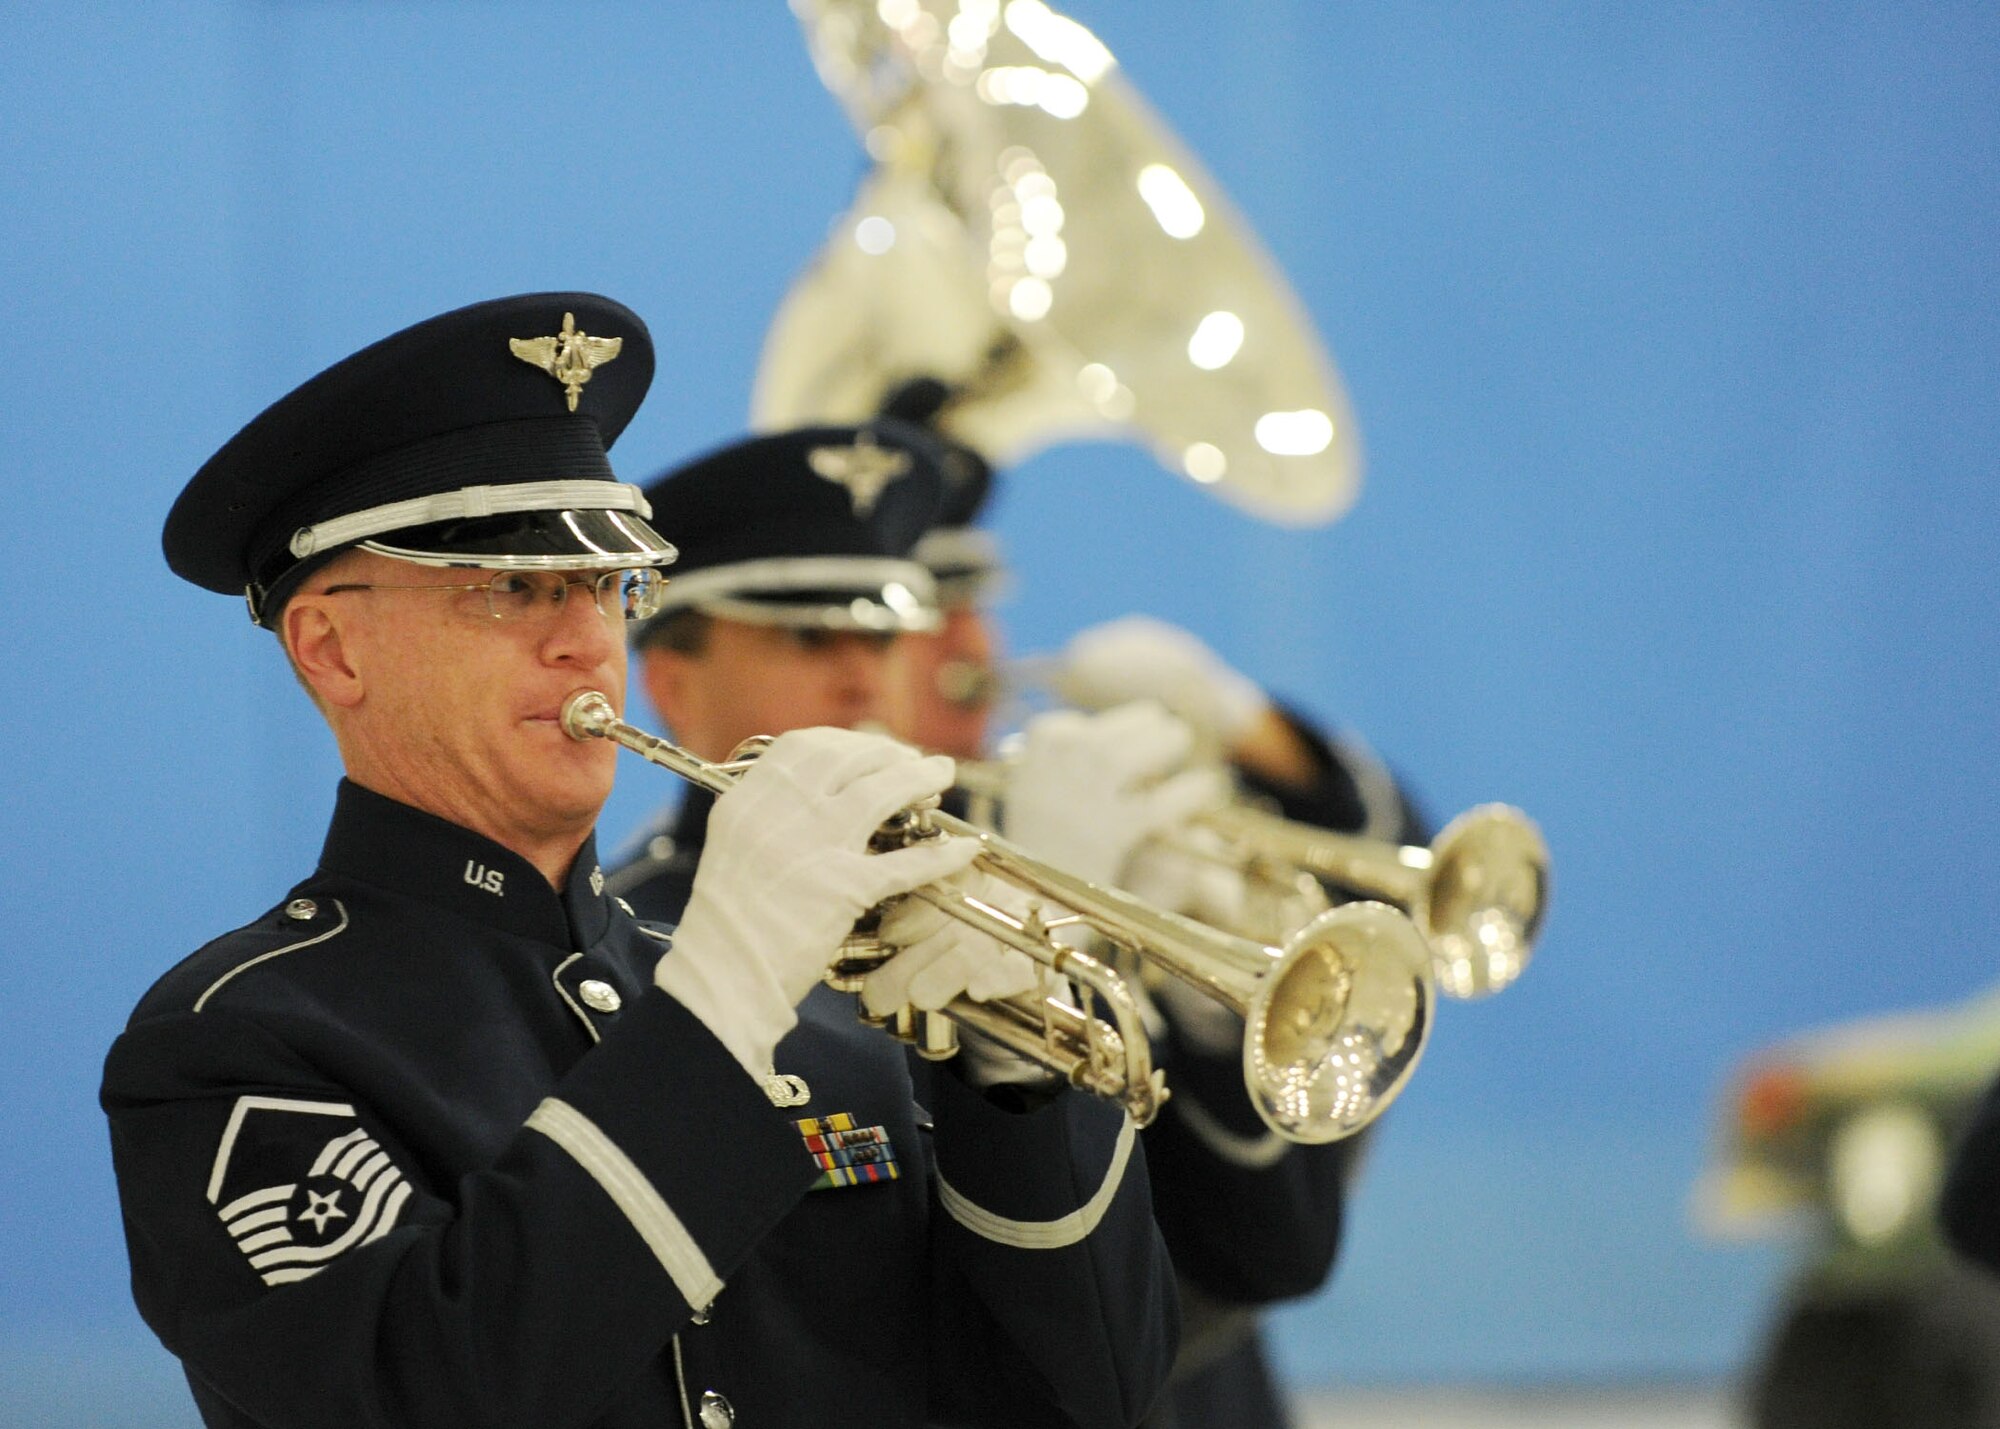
[714, 1411]
[600, 996]
[302, 910]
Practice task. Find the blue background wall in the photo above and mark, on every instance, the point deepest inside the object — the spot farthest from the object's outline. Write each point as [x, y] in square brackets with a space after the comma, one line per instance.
[1671, 332]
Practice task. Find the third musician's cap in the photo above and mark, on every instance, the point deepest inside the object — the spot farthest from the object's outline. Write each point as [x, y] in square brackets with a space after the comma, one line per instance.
[474, 439]
[962, 557]
[809, 527]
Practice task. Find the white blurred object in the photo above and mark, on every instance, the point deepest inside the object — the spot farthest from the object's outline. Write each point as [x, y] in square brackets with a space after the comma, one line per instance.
[1138, 658]
[1088, 789]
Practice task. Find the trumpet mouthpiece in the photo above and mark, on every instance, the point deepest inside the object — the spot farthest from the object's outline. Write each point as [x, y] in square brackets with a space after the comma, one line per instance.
[587, 714]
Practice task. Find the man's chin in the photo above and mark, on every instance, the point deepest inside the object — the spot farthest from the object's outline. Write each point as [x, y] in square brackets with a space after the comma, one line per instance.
[569, 787]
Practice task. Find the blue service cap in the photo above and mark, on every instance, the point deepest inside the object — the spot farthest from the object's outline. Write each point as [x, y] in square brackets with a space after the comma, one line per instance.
[477, 438]
[809, 527]
[963, 558]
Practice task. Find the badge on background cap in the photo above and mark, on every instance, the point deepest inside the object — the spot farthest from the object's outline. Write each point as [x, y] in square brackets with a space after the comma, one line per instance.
[569, 356]
[862, 469]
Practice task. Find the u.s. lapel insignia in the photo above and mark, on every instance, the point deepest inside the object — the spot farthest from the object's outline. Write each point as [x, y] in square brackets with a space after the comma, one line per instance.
[297, 1183]
[846, 1154]
[862, 470]
[568, 357]
[784, 1089]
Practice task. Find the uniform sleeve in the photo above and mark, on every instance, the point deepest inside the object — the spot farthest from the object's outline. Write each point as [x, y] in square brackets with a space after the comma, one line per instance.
[1053, 1291]
[1351, 790]
[1248, 1216]
[311, 1270]
[1969, 1206]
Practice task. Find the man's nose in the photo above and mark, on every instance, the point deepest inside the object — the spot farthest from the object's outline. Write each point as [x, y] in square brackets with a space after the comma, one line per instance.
[862, 660]
[578, 627]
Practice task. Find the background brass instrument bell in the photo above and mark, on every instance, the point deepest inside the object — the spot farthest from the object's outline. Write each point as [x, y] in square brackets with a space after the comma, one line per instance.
[1035, 237]
[1334, 1020]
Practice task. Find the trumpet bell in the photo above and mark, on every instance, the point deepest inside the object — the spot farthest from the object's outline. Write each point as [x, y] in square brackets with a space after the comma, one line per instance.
[1489, 888]
[1337, 1027]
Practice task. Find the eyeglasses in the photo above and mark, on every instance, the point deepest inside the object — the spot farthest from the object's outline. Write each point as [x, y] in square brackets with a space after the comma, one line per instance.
[626, 595]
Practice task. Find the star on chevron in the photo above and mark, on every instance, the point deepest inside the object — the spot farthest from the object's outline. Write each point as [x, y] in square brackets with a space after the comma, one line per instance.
[322, 1207]
[863, 469]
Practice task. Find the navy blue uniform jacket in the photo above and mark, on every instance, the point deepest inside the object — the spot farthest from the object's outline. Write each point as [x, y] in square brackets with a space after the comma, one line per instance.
[425, 1146]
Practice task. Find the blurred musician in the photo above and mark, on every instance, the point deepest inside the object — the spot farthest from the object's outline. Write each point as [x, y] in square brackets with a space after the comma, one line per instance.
[793, 585]
[1249, 1218]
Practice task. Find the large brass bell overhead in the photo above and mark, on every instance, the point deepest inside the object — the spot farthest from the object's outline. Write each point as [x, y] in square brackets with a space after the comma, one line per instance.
[1034, 236]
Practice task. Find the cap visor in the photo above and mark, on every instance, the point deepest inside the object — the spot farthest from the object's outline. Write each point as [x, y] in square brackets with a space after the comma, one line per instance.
[532, 540]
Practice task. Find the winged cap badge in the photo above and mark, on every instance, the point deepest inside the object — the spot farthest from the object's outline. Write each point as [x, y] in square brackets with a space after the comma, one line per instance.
[864, 469]
[568, 357]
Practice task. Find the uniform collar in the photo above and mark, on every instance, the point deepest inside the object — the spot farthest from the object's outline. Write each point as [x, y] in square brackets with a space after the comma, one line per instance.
[690, 820]
[405, 850]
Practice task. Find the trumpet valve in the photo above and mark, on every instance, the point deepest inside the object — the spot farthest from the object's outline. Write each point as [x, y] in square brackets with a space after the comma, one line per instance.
[934, 1036]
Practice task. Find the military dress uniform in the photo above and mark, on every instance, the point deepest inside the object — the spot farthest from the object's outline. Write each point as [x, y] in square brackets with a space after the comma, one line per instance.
[424, 1145]
[427, 1145]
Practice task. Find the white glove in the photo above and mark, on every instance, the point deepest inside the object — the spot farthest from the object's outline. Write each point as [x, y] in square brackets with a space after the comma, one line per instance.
[1191, 874]
[1088, 789]
[786, 872]
[942, 957]
[1139, 658]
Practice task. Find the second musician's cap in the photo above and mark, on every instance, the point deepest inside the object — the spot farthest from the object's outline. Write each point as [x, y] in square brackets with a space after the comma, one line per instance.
[963, 558]
[474, 439]
[811, 527]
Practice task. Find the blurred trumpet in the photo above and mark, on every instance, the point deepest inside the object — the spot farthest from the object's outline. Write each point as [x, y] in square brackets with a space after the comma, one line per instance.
[1334, 1019]
[1478, 892]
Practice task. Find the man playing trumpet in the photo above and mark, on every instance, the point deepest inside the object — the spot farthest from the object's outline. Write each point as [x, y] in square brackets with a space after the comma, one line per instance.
[447, 1137]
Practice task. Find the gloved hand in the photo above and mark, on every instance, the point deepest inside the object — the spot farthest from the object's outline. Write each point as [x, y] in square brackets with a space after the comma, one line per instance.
[1088, 789]
[786, 872]
[942, 957]
[1189, 872]
[1139, 658]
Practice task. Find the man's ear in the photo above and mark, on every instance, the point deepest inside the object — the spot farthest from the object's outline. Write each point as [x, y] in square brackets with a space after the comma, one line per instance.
[668, 676]
[321, 646]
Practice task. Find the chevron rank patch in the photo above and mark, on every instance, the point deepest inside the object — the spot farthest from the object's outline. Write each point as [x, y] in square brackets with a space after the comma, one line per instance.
[848, 1155]
[298, 1183]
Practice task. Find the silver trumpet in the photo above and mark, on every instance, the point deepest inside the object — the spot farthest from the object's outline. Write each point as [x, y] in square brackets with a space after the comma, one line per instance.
[1334, 1020]
[1478, 891]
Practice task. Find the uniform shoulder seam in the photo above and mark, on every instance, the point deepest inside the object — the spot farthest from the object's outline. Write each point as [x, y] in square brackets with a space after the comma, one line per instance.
[249, 963]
